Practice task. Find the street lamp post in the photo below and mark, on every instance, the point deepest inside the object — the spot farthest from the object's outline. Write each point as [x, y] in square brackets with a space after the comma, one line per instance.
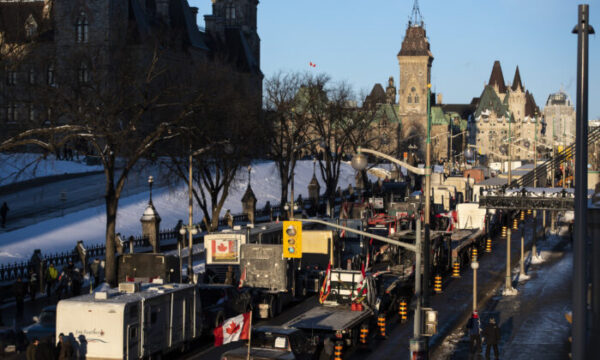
[426, 247]
[474, 266]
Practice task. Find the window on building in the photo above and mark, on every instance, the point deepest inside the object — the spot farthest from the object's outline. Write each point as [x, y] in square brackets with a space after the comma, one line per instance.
[409, 99]
[230, 13]
[11, 113]
[31, 112]
[11, 77]
[50, 75]
[32, 76]
[81, 28]
[416, 99]
[30, 27]
[83, 74]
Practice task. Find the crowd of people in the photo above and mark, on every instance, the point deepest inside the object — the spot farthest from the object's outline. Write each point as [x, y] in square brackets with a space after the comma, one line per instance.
[46, 350]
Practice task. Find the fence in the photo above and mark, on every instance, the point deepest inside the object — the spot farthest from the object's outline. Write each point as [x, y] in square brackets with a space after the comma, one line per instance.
[21, 269]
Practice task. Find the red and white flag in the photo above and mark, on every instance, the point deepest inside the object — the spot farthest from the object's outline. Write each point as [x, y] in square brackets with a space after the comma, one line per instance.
[233, 329]
[326, 287]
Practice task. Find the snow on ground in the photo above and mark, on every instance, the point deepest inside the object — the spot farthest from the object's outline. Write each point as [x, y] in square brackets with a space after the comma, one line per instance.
[21, 167]
[61, 234]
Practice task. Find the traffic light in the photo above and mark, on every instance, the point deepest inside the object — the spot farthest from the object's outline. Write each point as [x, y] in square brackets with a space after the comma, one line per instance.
[292, 239]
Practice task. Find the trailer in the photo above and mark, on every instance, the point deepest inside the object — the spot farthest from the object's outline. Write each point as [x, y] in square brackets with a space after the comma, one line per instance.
[134, 321]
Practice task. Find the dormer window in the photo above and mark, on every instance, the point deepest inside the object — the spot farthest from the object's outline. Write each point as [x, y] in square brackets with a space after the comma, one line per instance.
[30, 27]
[50, 75]
[81, 29]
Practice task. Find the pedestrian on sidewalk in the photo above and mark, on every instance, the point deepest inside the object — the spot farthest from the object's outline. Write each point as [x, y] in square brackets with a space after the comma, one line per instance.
[3, 213]
[474, 328]
[95, 271]
[65, 348]
[491, 334]
[19, 291]
[33, 284]
[51, 275]
[32, 350]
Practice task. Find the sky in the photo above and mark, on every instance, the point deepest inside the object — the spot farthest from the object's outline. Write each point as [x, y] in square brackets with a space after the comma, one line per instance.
[357, 41]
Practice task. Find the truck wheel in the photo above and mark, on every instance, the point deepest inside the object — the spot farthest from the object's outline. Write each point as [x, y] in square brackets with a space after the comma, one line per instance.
[272, 305]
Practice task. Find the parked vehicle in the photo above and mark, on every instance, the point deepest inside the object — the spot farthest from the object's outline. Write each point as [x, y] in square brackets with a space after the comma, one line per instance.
[350, 304]
[220, 302]
[275, 342]
[132, 322]
[44, 326]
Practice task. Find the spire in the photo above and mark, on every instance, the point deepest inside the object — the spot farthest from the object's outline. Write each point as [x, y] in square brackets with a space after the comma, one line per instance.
[517, 81]
[497, 78]
[416, 19]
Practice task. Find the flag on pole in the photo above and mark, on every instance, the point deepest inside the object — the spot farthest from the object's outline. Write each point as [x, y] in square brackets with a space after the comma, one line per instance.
[233, 329]
[242, 279]
[326, 287]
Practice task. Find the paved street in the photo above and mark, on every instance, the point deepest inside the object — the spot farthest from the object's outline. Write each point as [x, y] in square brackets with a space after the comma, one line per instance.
[47, 201]
[532, 323]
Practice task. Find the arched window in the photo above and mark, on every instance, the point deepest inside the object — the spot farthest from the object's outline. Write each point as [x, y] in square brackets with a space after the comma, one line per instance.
[416, 99]
[30, 27]
[83, 73]
[32, 76]
[409, 99]
[81, 28]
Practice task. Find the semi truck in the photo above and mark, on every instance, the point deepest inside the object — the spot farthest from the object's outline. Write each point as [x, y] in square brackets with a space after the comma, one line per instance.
[133, 321]
[275, 281]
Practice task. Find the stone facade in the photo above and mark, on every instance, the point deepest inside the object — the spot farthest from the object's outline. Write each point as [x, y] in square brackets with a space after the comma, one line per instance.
[65, 42]
[559, 115]
[504, 110]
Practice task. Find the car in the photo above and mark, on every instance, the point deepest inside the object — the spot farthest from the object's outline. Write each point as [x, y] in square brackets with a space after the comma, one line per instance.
[221, 302]
[275, 342]
[44, 326]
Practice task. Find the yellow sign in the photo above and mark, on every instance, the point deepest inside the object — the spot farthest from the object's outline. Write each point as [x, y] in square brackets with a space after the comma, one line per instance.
[292, 239]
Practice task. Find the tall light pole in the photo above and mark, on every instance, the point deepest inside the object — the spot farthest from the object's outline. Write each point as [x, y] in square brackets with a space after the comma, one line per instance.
[427, 245]
[509, 150]
[474, 266]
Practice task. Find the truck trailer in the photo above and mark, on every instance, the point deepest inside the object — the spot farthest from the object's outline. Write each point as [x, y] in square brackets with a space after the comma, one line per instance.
[132, 322]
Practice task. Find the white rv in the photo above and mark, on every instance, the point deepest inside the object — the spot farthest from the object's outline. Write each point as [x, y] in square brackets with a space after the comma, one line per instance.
[131, 322]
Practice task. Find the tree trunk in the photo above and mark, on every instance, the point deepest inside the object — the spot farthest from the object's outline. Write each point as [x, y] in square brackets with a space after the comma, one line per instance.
[112, 203]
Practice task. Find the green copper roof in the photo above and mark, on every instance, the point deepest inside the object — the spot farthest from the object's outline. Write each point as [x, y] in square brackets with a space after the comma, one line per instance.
[437, 116]
[489, 101]
[387, 113]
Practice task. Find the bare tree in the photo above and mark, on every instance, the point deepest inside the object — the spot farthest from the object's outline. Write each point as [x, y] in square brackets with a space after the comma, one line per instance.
[119, 110]
[225, 136]
[288, 125]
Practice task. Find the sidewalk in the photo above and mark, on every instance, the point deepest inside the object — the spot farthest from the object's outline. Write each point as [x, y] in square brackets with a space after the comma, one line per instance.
[532, 323]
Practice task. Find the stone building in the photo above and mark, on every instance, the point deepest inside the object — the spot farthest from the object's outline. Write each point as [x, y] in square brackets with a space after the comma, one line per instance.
[53, 43]
[559, 115]
[502, 108]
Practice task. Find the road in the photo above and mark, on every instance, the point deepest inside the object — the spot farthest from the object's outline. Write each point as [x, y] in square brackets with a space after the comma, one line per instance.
[58, 198]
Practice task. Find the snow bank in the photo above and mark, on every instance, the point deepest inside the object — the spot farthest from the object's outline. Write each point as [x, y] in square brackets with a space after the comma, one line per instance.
[61, 234]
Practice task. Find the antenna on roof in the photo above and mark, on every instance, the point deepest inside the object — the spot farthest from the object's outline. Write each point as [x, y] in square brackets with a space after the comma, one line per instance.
[416, 19]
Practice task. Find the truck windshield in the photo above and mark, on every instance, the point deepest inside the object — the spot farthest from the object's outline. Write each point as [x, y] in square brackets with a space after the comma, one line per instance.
[269, 340]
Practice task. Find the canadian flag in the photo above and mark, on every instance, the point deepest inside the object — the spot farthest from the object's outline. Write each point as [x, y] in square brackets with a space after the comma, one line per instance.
[242, 279]
[233, 329]
[326, 287]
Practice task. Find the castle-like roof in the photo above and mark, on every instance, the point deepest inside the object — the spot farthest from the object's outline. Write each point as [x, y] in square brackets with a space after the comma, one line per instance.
[497, 78]
[14, 15]
[377, 96]
[530, 106]
[517, 81]
[415, 42]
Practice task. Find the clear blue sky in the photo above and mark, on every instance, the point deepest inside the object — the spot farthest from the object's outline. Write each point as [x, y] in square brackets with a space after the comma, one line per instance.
[357, 41]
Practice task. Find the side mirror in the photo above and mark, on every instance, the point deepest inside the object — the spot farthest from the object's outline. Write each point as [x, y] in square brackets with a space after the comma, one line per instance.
[36, 319]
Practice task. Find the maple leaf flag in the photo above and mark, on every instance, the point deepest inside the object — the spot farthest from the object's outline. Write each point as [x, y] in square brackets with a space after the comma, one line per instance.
[233, 329]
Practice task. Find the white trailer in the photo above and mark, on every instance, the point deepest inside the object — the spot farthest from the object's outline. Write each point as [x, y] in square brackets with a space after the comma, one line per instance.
[131, 322]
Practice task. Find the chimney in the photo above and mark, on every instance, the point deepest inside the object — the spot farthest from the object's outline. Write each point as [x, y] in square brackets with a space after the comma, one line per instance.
[439, 99]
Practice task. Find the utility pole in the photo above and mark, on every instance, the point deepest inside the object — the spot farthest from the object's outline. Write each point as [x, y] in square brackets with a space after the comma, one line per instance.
[427, 245]
[583, 29]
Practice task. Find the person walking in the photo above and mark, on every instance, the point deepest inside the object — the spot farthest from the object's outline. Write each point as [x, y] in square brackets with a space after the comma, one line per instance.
[32, 350]
[50, 275]
[33, 284]
[491, 334]
[474, 328]
[65, 348]
[3, 213]
[19, 291]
